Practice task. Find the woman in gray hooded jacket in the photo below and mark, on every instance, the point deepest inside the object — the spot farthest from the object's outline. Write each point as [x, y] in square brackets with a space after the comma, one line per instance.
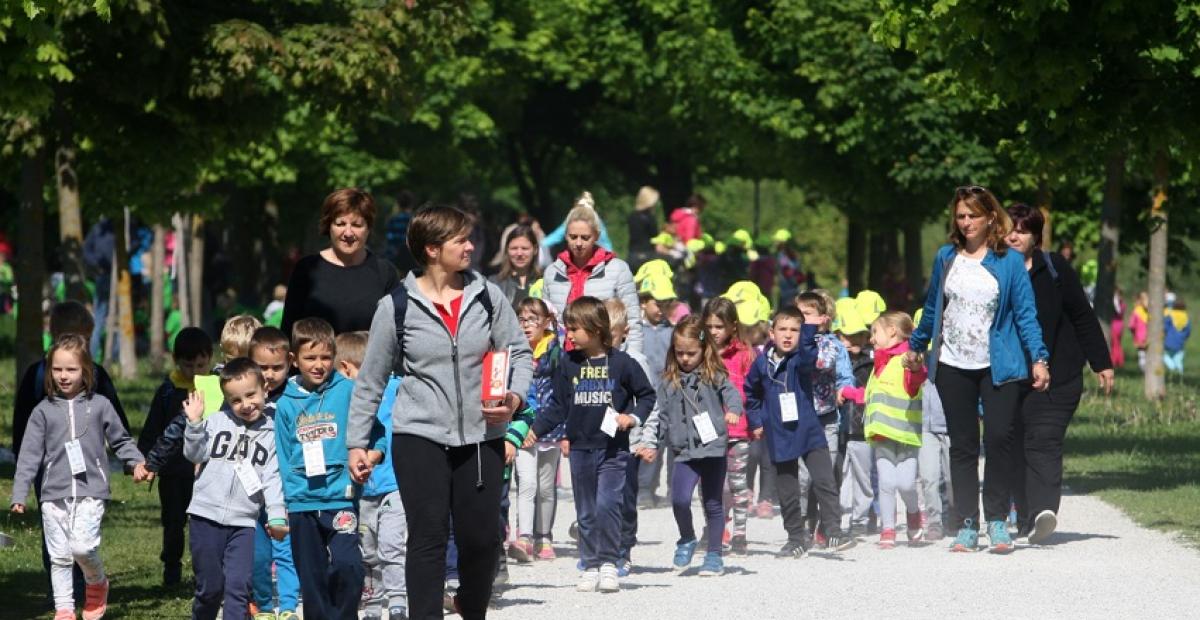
[448, 446]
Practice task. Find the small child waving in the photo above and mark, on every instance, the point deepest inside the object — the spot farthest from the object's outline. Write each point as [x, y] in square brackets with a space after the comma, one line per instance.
[595, 391]
[65, 441]
[892, 424]
[697, 405]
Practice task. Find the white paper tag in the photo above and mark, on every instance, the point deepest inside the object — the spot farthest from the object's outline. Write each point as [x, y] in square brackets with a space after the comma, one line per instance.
[609, 425]
[787, 407]
[250, 481]
[704, 426]
[75, 457]
[314, 458]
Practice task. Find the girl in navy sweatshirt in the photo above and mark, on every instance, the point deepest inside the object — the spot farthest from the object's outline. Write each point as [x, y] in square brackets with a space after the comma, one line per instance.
[601, 393]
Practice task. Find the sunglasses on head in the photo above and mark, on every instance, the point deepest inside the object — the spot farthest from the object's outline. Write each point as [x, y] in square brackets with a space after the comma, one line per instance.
[970, 189]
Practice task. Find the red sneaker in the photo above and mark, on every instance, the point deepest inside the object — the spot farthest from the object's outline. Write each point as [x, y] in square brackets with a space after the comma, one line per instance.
[887, 539]
[765, 510]
[96, 601]
[64, 614]
[916, 530]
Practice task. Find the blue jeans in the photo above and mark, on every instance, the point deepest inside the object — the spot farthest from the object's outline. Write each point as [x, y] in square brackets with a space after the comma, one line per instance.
[328, 561]
[598, 479]
[629, 515]
[266, 551]
[222, 559]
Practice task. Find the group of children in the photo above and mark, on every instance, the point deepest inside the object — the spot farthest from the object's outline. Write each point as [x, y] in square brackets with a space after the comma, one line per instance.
[263, 484]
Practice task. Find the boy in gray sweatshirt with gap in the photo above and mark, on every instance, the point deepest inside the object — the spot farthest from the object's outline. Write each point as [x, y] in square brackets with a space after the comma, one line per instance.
[239, 474]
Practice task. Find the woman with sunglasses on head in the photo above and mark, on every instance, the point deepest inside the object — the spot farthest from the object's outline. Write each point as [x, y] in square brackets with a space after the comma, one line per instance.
[1072, 334]
[981, 330]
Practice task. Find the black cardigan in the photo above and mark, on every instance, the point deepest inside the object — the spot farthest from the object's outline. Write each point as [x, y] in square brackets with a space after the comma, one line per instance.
[1069, 324]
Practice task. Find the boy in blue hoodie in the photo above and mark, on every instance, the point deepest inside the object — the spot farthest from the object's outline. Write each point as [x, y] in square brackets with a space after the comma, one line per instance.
[779, 406]
[311, 420]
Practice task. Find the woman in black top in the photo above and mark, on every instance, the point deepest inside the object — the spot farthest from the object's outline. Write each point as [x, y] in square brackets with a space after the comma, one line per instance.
[341, 283]
[518, 267]
[643, 225]
[1072, 335]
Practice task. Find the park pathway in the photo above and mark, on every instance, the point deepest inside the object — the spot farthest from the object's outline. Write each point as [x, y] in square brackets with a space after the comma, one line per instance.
[1099, 564]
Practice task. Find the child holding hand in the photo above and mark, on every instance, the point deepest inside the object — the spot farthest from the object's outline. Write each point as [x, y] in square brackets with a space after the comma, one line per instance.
[697, 405]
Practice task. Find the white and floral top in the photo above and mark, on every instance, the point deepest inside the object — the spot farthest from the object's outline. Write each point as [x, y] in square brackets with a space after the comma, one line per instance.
[972, 295]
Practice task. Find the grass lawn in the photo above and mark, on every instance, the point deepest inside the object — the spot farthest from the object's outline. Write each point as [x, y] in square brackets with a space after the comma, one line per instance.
[1145, 460]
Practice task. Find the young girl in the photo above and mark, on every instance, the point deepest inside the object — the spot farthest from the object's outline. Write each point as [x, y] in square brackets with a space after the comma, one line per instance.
[66, 439]
[1177, 328]
[696, 403]
[892, 424]
[600, 393]
[537, 461]
[1139, 326]
[721, 326]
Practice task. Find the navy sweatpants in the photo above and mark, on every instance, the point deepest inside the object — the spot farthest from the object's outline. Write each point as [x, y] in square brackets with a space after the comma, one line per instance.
[223, 561]
[629, 514]
[328, 562]
[598, 479]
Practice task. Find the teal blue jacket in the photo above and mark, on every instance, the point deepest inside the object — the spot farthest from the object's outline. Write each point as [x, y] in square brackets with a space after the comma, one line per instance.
[1016, 335]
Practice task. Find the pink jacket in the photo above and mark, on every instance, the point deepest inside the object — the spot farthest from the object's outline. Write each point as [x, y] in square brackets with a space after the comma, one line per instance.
[738, 359]
[687, 224]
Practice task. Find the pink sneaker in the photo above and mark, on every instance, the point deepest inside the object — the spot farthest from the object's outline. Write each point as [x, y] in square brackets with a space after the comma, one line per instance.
[887, 539]
[96, 601]
[546, 552]
[64, 614]
[521, 550]
[916, 529]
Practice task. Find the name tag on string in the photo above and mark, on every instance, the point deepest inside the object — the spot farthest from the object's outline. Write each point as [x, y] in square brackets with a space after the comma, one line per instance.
[787, 407]
[248, 477]
[609, 425]
[75, 457]
[314, 458]
[704, 426]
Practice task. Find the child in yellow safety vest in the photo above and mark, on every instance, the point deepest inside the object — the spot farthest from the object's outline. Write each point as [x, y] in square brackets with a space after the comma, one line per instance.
[892, 424]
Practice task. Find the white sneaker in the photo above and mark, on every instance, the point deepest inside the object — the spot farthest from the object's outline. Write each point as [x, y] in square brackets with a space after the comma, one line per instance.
[1043, 527]
[609, 580]
[588, 580]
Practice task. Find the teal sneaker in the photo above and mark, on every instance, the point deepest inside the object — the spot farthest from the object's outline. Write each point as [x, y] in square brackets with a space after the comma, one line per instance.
[713, 565]
[967, 540]
[1001, 541]
[683, 554]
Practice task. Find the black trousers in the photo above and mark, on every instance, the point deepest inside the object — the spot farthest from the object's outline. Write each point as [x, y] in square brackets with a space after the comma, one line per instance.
[174, 495]
[1040, 431]
[961, 392]
[436, 483]
[829, 510]
[328, 562]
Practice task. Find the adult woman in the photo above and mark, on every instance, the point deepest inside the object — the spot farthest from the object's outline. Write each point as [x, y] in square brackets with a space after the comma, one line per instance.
[981, 318]
[518, 269]
[448, 451]
[584, 268]
[643, 225]
[1072, 334]
[342, 282]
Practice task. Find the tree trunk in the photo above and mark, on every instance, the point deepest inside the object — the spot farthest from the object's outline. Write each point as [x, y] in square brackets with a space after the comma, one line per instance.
[914, 263]
[182, 276]
[856, 255]
[70, 222]
[30, 268]
[158, 254]
[196, 271]
[674, 183]
[1044, 201]
[1110, 234]
[128, 349]
[110, 319]
[882, 248]
[1155, 383]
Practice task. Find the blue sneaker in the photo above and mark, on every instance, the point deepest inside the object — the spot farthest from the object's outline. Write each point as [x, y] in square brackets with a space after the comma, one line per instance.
[999, 537]
[623, 568]
[579, 564]
[967, 540]
[683, 554]
[713, 565]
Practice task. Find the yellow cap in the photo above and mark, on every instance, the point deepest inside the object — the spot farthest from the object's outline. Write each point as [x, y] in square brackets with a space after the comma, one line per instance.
[848, 320]
[782, 235]
[663, 239]
[719, 247]
[656, 267]
[659, 287]
[870, 305]
[752, 305]
[695, 246]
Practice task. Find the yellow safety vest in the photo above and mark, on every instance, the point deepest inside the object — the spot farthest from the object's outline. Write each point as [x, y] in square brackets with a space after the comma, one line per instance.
[890, 411]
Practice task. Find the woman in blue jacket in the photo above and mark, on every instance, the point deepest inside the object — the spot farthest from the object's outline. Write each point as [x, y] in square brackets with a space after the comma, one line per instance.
[981, 319]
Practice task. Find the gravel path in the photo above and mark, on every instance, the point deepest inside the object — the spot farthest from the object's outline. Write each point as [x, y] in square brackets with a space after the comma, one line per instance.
[1099, 563]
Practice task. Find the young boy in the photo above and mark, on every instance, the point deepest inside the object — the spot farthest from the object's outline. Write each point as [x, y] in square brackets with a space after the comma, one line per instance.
[236, 336]
[383, 527]
[311, 420]
[193, 356]
[238, 479]
[655, 301]
[270, 351]
[779, 404]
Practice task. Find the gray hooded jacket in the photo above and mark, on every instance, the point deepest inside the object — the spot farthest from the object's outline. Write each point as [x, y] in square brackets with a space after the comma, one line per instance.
[674, 429]
[44, 446]
[218, 443]
[440, 396]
